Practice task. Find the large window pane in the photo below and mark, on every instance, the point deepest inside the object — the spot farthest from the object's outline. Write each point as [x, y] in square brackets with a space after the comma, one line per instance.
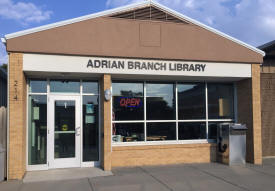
[38, 86]
[220, 101]
[65, 86]
[128, 132]
[90, 87]
[194, 130]
[191, 101]
[160, 101]
[37, 133]
[90, 128]
[161, 131]
[128, 101]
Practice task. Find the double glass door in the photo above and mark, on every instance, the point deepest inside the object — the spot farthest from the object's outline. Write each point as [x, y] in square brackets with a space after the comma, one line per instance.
[64, 132]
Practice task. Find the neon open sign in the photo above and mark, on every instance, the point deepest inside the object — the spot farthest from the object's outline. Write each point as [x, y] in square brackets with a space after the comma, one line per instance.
[130, 102]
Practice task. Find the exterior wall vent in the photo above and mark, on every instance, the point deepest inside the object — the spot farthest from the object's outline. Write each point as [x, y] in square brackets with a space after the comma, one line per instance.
[149, 13]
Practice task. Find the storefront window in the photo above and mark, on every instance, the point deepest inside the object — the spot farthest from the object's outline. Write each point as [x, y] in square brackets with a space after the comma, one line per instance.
[220, 101]
[128, 132]
[65, 86]
[191, 101]
[161, 122]
[194, 130]
[161, 131]
[38, 86]
[90, 128]
[37, 133]
[89, 87]
[160, 101]
[128, 101]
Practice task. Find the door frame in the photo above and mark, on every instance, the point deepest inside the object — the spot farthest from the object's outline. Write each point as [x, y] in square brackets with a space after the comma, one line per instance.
[63, 162]
[40, 167]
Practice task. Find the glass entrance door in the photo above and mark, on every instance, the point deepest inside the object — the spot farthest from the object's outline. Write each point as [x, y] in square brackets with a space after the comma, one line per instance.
[64, 132]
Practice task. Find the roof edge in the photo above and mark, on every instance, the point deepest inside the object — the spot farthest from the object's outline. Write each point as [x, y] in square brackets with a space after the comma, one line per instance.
[209, 28]
[4, 41]
[125, 8]
[267, 45]
[77, 19]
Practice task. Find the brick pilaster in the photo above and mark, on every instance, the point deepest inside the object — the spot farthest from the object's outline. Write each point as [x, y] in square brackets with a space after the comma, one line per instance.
[105, 124]
[17, 117]
[249, 112]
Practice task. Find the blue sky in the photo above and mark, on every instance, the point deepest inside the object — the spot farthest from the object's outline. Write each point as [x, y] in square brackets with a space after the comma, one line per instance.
[252, 21]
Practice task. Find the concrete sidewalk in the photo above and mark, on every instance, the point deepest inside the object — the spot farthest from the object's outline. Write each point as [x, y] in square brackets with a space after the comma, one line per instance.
[202, 177]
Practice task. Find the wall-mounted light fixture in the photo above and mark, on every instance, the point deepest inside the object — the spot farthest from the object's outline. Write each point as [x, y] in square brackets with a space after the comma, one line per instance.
[108, 94]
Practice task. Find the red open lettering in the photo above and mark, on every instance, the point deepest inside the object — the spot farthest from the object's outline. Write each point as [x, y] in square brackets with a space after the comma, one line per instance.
[130, 102]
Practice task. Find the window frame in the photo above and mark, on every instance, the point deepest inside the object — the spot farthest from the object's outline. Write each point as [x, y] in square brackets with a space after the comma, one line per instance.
[35, 167]
[177, 120]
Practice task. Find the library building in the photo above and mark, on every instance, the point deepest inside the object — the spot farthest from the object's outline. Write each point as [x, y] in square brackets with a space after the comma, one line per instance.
[136, 85]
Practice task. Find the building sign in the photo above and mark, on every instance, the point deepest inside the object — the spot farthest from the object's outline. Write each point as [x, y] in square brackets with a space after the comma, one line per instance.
[144, 65]
[103, 65]
[130, 102]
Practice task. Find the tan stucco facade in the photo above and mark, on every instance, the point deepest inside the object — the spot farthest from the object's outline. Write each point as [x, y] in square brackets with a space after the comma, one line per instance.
[112, 37]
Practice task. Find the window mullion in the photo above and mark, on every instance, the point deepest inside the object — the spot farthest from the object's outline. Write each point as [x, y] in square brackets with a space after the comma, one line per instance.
[145, 125]
[177, 125]
[206, 106]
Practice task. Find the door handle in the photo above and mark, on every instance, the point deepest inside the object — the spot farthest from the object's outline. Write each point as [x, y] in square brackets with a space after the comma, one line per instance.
[77, 131]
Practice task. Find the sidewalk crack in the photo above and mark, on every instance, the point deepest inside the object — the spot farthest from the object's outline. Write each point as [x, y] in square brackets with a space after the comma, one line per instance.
[222, 179]
[91, 185]
[158, 180]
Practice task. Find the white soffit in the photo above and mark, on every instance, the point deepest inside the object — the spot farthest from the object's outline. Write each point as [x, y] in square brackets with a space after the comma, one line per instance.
[128, 8]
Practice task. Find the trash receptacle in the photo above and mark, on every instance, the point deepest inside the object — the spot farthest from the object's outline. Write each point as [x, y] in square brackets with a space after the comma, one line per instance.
[2, 163]
[231, 141]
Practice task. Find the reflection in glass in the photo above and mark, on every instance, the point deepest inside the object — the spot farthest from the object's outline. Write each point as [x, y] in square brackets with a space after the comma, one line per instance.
[90, 128]
[194, 130]
[37, 133]
[128, 101]
[212, 129]
[191, 101]
[128, 132]
[38, 86]
[161, 131]
[220, 101]
[160, 101]
[64, 134]
[90, 87]
[65, 86]
[127, 89]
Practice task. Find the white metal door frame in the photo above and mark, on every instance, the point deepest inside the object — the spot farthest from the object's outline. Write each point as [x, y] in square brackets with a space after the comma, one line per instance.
[63, 162]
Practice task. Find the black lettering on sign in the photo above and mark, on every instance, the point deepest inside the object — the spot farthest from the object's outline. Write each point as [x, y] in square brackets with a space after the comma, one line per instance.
[90, 64]
[151, 65]
[203, 67]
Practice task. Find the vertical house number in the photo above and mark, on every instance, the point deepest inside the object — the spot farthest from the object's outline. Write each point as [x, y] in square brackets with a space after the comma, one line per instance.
[15, 85]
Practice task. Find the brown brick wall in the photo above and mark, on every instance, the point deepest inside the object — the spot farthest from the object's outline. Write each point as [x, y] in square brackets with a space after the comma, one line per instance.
[249, 112]
[105, 124]
[268, 113]
[163, 154]
[17, 117]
